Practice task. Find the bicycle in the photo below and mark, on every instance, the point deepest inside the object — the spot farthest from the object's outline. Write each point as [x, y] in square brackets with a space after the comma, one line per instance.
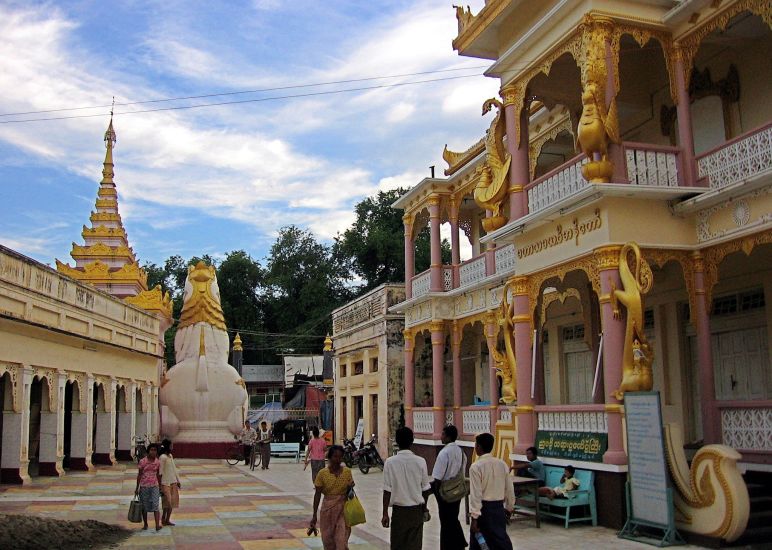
[255, 458]
[235, 453]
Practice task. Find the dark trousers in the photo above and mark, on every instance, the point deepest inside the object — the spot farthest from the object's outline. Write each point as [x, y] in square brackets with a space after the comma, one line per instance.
[451, 534]
[265, 454]
[407, 527]
[247, 453]
[492, 523]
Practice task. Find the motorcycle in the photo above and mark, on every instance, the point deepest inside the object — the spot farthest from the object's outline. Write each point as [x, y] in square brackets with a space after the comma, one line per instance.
[349, 452]
[368, 457]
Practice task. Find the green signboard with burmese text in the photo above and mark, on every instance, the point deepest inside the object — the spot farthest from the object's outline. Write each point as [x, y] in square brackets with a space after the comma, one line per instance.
[586, 446]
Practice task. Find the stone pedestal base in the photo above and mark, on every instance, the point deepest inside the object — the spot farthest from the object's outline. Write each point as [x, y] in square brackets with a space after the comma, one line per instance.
[215, 450]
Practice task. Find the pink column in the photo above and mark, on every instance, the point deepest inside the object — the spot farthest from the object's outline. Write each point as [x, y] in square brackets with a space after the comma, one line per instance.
[409, 376]
[438, 375]
[519, 172]
[613, 345]
[455, 250]
[490, 253]
[435, 276]
[616, 152]
[409, 256]
[685, 136]
[526, 419]
[456, 347]
[491, 336]
[711, 424]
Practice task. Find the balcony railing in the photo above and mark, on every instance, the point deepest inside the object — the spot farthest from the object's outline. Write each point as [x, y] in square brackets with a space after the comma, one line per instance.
[475, 420]
[739, 159]
[472, 270]
[505, 258]
[421, 283]
[747, 425]
[423, 420]
[447, 278]
[572, 418]
[652, 164]
[556, 184]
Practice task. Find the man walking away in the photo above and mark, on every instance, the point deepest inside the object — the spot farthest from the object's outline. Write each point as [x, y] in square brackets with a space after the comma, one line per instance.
[406, 487]
[491, 497]
[450, 462]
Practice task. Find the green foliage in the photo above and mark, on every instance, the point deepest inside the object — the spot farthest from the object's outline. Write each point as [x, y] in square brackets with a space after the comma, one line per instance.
[375, 244]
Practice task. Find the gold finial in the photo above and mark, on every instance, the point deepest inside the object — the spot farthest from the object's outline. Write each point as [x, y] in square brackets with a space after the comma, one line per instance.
[110, 141]
[328, 343]
[237, 343]
[201, 344]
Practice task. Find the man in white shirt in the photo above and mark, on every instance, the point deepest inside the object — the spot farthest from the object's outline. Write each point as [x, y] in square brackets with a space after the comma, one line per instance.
[450, 462]
[406, 487]
[491, 497]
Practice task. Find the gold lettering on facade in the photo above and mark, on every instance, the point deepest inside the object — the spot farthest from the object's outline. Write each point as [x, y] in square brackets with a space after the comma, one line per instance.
[563, 234]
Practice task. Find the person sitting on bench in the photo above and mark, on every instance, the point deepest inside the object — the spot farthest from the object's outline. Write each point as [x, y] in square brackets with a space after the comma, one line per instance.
[568, 483]
[534, 468]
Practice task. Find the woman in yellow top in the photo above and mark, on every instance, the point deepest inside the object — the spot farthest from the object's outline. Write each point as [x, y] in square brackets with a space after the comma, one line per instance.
[334, 482]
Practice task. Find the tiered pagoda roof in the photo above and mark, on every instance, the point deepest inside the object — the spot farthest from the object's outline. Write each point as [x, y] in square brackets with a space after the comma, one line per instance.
[106, 260]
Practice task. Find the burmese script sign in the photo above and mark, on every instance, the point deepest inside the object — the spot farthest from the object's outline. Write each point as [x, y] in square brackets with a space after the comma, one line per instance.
[587, 446]
[563, 234]
[646, 458]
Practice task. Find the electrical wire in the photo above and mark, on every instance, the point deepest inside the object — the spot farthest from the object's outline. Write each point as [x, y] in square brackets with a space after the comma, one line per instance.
[242, 101]
[259, 90]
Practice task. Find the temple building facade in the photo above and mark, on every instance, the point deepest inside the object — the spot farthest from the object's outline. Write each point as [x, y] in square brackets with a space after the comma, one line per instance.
[81, 350]
[368, 366]
[617, 211]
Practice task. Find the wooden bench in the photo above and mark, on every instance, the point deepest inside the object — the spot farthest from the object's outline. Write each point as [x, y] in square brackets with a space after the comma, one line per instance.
[286, 449]
[561, 507]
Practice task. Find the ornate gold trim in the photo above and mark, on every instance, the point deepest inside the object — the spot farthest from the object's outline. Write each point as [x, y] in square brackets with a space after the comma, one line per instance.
[690, 41]
[535, 146]
[456, 161]
[561, 297]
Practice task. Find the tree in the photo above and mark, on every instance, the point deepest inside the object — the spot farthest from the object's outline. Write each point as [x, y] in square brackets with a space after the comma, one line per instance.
[375, 246]
[304, 283]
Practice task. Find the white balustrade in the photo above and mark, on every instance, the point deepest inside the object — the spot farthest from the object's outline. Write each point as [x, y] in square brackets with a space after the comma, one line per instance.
[447, 278]
[421, 284]
[476, 421]
[556, 185]
[748, 429]
[472, 271]
[651, 167]
[505, 415]
[738, 160]
[505, 258]
[423, 422]
[573, 421]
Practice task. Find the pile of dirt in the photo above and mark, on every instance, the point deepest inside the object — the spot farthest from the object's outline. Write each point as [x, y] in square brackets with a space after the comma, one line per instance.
[32, 532]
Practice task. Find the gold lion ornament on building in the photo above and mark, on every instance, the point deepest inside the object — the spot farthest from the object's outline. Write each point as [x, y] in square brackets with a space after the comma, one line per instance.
[506, 365]
[596, 129]
[492, 185]
[637, 355]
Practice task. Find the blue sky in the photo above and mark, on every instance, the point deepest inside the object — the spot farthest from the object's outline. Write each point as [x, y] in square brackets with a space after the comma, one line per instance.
[217, 179]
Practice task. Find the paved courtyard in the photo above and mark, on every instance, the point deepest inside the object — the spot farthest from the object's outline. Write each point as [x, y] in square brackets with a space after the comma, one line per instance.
[225, 507]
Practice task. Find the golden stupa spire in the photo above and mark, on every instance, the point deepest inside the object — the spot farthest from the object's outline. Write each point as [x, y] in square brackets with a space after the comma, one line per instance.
[237, 346]
[327, 343]
[110, 141]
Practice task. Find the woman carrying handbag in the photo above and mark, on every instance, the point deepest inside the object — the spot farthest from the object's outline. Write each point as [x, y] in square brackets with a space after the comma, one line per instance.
[148, 480]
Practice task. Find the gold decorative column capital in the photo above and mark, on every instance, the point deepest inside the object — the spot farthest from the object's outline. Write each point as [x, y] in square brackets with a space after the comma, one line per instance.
[698, 262]
[519, 285]
[409, 338]
[607, 257]
[437, 326]
[513, 94]
[433, 200]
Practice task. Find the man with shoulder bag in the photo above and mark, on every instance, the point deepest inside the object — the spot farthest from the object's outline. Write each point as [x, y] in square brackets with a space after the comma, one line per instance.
[450, 488]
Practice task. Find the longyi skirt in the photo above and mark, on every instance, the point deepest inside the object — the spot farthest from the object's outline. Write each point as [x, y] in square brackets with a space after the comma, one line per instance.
[170, 496]
[148, 496]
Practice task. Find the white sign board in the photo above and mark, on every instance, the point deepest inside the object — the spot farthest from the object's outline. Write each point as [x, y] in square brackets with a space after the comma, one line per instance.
[646, 458]
[360, 433]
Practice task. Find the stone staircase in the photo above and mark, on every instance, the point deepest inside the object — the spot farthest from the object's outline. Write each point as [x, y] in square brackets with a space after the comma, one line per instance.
[758, 534]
